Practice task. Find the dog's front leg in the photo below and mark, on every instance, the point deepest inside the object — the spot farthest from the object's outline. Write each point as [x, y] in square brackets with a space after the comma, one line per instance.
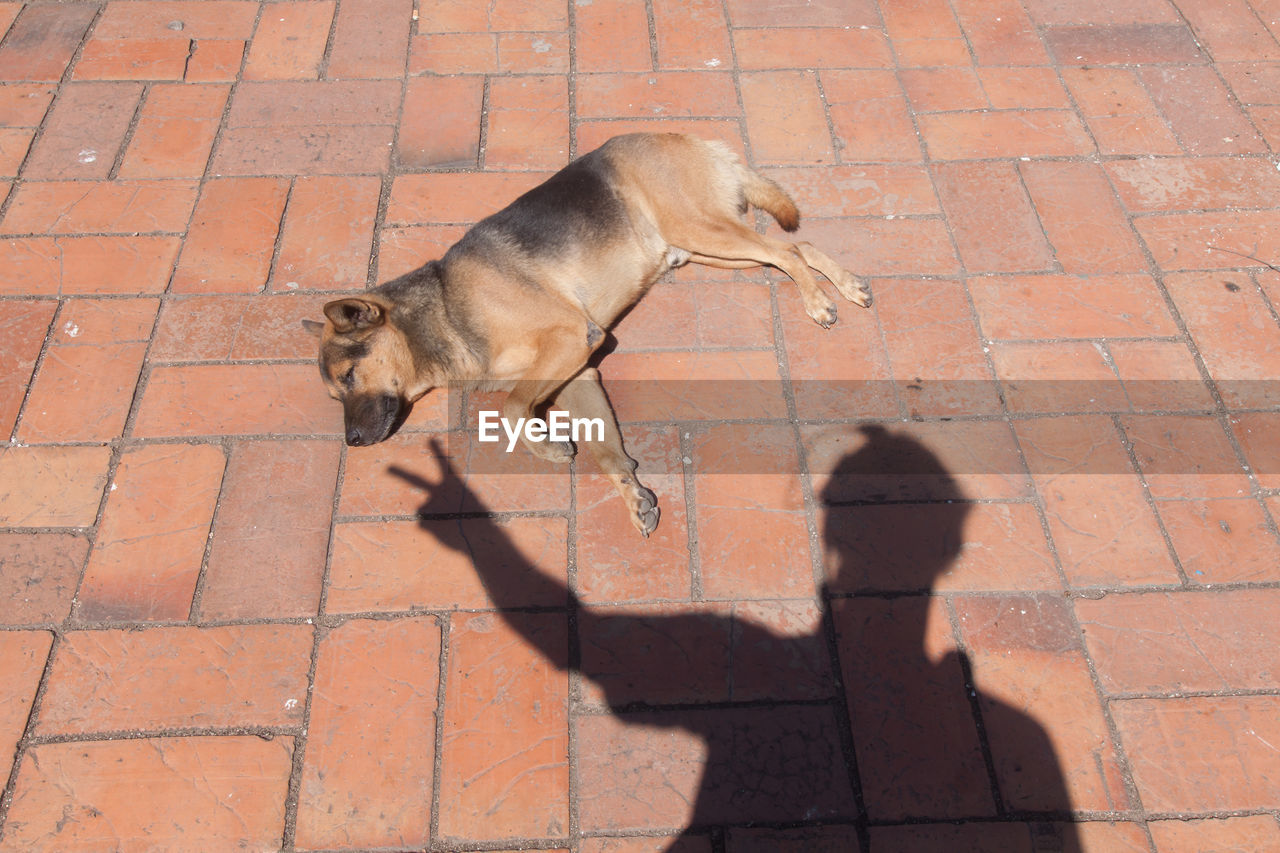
[584, 398]
[561, 355]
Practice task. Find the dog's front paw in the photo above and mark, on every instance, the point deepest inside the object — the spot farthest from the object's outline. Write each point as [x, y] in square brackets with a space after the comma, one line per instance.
[645, 511]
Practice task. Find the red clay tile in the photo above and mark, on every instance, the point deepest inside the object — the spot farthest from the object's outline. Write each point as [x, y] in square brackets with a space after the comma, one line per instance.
[1187, 183]
[1182, 641]
[39, 573]
[1236, 334]
[310, 127]
[1119, 111]
[944, 547]
[620, 646]
[453, 53]
[1256, 433]
[1060, 12]
[664, 93]
[1057, 306]
[1038, 703]
[1082, 218]
[811, 47]
[1004, 133]
[779, 652]
[994, 223]
[754, 553]
[175, 132]
[528, 123]
[916, 461]
[670, 386]
[82, 393]
[691, 34]
[655, 770]
[822, 13]
[1122, 44]
[878, 247]
[1102, 526]
[924, 32]
[1252, 832]
[941, 838]
[819, 839]
[274, 511]
[1023, 88]
[505, 766]
[1231, 30]
[870, 117]
[23, 327]
[370, 39]
[169, 792]
[42, 41]
[441, 125]
[1200, 110]
[916, 737]
[232, 236]
[22, 665]
[1183, 456]
[51, 486]
[1159, 375]
[132, 59]
[880, 190]
[527, 15]
[231, 327]
[160, 678]
[745, 466]
[1060, 376]
[611, 35]
[148, 552]
[363, 578]
[404, 249]
[1001, 32]
[934, 347]
[109, 264]
[84, 131]
[215, 61]
[1201, 754]
[785, 119]
[646, 844]
[360, 787]
[249, 399]
[216, 19]
[1222, 540]
[327, 234]
[105, 321]
[613, 565]
[455, 198]
[14, 143]
[592, 134]
[933, 89]
[123, 207]
[290, 41]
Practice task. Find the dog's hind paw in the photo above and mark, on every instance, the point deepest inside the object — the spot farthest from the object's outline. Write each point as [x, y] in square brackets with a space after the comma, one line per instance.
[646, 514]
[824, 316]
[553, 451]
[854, 289]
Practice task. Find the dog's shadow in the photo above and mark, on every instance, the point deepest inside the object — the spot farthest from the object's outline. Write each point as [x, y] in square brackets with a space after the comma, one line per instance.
[788, 756]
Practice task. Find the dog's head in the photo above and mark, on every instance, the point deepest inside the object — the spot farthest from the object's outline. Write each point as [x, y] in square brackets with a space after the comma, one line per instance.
[367, 366]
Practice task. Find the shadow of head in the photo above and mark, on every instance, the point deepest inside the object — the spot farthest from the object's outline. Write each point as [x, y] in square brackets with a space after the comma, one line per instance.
[894, 517]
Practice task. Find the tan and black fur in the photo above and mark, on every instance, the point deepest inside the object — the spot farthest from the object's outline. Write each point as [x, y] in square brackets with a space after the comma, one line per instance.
[521, 302]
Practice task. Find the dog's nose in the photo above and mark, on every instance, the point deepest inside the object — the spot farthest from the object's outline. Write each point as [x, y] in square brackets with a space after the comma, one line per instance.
[354, 438]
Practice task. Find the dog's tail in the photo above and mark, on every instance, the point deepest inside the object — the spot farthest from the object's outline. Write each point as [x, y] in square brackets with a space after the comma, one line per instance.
[771, 198]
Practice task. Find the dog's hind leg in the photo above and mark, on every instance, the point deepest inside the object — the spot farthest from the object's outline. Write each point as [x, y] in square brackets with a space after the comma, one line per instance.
[849, 285]
[584, 398]
[730, 244]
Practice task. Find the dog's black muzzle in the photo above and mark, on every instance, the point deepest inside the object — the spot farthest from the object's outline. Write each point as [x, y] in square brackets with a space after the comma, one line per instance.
[370, 419]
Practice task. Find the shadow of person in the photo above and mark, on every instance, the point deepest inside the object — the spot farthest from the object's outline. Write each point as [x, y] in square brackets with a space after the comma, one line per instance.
[778, 725]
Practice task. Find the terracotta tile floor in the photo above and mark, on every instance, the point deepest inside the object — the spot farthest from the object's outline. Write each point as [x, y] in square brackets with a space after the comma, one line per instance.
[992, 566]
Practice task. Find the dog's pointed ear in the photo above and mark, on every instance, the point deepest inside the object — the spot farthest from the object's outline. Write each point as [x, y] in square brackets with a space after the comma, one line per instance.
[354, 314]
[313, 327]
